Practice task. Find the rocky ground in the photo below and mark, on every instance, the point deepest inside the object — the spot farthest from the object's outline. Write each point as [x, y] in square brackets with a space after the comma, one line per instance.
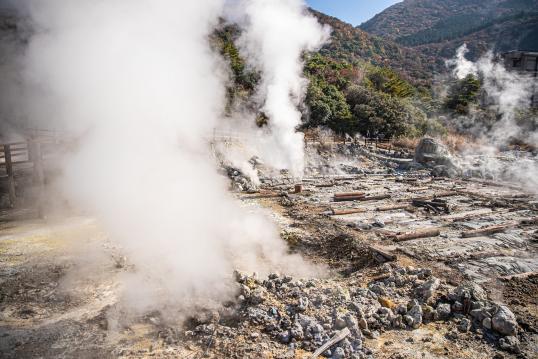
[442, 296]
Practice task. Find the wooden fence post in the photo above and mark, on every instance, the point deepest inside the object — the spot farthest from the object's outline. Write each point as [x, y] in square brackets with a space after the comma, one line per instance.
[34, 150]
[10, 175]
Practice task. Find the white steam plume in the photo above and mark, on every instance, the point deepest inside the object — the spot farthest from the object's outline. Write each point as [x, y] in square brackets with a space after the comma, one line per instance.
[139, 80]
[507, 91]
[276, 33]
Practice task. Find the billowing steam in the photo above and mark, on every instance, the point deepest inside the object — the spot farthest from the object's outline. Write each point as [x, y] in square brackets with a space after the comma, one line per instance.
[138, 84]
[508, 94]
[276, 33]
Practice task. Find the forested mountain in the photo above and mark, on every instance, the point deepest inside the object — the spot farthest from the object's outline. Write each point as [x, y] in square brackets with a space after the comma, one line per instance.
[350, 44]
[437, 27]
[358, 82]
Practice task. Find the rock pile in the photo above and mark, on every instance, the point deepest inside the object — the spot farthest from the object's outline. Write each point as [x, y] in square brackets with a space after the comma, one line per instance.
[306, 314]
[240, 182]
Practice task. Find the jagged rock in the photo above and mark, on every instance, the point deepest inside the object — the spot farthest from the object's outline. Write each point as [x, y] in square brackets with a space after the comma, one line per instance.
[385, 312]
[481, 314]
[339, 323]
[306, 321]
[296, 331]
[284, 337]
[416, 314]
[378, 288]
[464, 325]
[504, 321]
[352, 324]
[400, 309]
[510, 344]
[258, 295]
[363, 324]
[428, 288]
[457, 306]
[286, 201]
[339, 353]
[303, 304]
[468, 290]
[408, 320]
[429, 313]
[443, 310]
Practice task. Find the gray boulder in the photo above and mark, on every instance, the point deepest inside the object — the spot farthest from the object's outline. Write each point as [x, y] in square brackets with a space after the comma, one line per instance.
[504, 321]
[428, 288]
[431, 153]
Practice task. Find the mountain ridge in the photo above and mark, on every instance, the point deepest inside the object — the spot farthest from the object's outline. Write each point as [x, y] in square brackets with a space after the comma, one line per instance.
[437, 27]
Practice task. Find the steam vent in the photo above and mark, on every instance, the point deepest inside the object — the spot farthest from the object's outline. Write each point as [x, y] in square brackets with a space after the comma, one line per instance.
[524, 63]
[269, 179]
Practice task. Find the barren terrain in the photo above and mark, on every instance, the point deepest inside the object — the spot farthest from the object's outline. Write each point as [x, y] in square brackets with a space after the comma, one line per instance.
[388, 295]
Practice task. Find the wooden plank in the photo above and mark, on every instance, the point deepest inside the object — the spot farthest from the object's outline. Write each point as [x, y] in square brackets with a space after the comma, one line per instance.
[388, 256]
[343, 212]
[423, 233]
[349, 194]
[392, 207]
[376, 198]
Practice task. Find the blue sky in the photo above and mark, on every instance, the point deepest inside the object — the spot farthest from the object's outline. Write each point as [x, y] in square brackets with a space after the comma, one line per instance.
[353, 11]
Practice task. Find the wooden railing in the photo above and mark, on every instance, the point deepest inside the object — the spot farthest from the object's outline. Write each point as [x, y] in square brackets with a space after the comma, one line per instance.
[379, 142]
[28, 154]
[12, 154]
